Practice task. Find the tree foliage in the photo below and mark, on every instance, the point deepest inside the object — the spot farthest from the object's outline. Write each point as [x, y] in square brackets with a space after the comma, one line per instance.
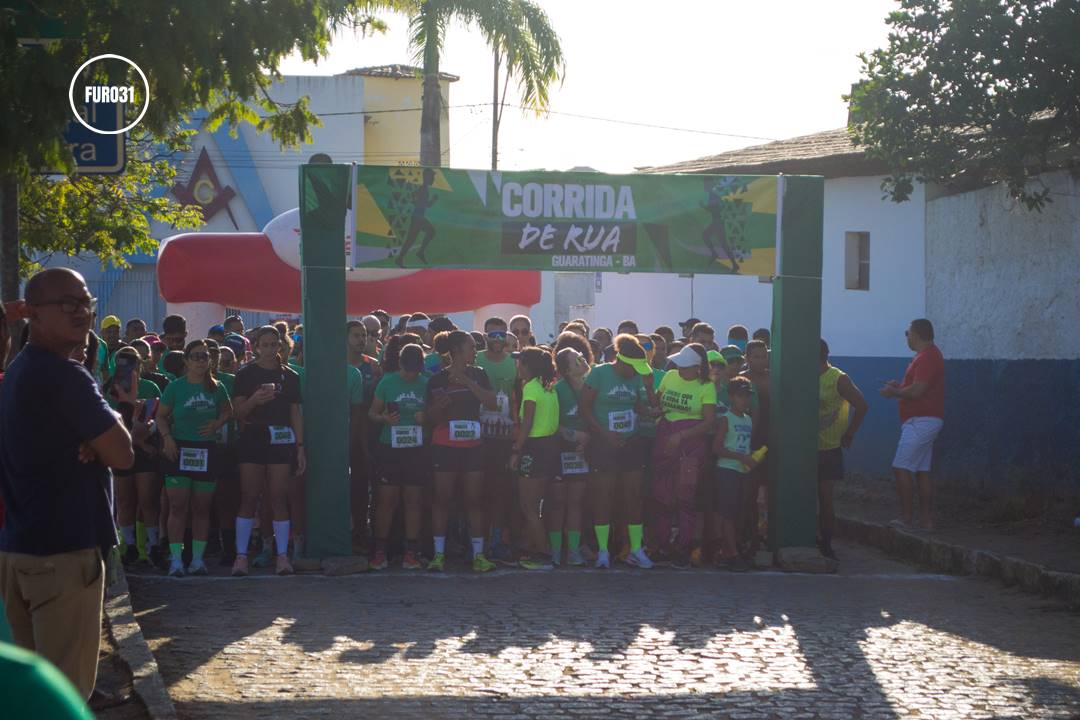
[973, 92]
[518, 29]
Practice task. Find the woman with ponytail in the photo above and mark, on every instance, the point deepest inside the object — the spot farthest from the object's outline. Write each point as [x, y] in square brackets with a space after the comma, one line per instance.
[535, 456]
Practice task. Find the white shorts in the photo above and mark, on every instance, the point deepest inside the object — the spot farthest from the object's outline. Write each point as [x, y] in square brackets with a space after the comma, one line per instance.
[916, 446]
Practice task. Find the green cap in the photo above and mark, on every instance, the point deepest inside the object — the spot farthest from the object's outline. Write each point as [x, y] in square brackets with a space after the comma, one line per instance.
[731, 352]
[639, 364]
[716, 357]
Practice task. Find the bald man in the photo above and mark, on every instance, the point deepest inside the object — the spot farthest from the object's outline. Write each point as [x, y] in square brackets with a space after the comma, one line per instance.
[58, 439]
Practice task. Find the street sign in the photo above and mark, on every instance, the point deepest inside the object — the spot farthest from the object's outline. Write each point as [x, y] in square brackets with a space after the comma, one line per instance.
[96, 153]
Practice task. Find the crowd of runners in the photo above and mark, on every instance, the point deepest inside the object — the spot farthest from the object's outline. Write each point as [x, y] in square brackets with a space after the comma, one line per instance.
[480, 447]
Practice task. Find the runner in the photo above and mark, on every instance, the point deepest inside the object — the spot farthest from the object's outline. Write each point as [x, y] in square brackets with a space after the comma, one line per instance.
[137, 488]
[603, 337]
[216, 333]
[402, 458]
[234, 324]
[110, 333]
[193, 410]
[497, 429]
[568, 487]
[733, 463]
[361, 460]
[763, 335]
[687, 399]
[704, 334]
[453, 401]
[521, 328]
[147, 368]
[226, 361]
[686, 326]
[738, 336]
[536, 454]
[667, 333]
[174, 332]
[628, 327]
[837, 395]
[227, 495]
[134, 329]
[609, 402]
[271, 439]
[756, 508]
[647, 436]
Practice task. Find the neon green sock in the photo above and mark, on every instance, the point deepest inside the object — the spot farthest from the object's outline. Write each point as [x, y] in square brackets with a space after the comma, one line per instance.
[555, 538]
[602, 532]
[198, 547]
[140, 539]
[176, 549]
[635, 532]
[574, 539]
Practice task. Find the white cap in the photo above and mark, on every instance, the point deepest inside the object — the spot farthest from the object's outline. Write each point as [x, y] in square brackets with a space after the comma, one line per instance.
[686, 357]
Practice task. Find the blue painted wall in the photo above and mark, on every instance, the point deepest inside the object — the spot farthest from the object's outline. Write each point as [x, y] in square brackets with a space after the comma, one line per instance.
[1000, 415]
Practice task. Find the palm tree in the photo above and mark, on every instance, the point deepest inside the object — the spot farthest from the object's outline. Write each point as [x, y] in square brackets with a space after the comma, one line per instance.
[517, 30]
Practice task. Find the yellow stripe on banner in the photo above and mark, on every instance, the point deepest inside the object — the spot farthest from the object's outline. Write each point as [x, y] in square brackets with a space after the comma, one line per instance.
[415, 176]
[762, 262]
[369, 219]
[761, 194]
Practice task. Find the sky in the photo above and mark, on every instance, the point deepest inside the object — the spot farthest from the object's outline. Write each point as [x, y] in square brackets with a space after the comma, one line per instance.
[741, 71]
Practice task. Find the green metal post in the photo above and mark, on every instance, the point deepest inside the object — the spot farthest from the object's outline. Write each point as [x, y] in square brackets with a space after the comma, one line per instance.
[796, 333]
[324, 195]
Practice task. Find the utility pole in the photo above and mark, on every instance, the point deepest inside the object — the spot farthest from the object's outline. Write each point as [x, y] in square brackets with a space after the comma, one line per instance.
[495, 115]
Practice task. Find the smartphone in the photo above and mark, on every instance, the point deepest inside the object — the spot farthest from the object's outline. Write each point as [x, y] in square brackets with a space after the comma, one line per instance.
[149, 410]
[125, 372]
[392, 407]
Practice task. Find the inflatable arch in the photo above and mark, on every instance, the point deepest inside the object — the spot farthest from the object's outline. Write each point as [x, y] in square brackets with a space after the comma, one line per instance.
[201, 274]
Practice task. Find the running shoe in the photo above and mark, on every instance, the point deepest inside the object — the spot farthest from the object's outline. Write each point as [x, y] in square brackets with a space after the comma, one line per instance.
[284, 567]
[378, 562]
[573, 558]
[437, 563]
[500, 552]
[176, 567]
[623, 554]
[697, 558]
[638, 558]
[534, 562]
[603, 559]
[556, 560]
[130, 556]
[410, 561]
[481, 563]
[240, 566]
[197, 567]
[264, 558]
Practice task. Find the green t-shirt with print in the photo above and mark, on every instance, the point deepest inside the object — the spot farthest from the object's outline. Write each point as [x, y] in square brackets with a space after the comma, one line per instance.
[616, 398]
[546, 417]
[146, 391]
[192, 407]
[409, 396]
[569, 416]
[498, 424]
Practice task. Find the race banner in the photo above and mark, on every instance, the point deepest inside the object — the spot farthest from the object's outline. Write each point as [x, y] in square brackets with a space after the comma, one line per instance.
[412, 217]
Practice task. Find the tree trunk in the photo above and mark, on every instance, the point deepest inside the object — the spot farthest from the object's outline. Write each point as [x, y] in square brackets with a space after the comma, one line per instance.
[495, 115]
[9, 239]
[430, 117]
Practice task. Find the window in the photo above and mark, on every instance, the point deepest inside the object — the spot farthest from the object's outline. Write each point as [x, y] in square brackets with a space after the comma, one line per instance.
[857, 260]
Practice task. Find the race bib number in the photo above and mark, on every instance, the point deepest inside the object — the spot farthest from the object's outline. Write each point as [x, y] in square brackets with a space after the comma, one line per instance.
[281, 435]
[573, 463]
[621, 421]
[406, 436]
[464, 430]
[194, 459]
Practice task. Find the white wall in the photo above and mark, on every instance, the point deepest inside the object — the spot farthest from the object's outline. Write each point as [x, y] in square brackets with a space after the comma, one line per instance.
[856, 323]
[1002, 281]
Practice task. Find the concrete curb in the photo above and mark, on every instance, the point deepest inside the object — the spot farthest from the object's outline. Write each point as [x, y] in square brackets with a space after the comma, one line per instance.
[134, 651]
[959, 560]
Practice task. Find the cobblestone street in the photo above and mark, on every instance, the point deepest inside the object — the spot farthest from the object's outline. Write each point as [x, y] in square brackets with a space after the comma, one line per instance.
[879, 640]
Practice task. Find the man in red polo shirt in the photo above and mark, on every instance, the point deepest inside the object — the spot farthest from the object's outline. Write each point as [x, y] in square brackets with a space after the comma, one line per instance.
[922, 411]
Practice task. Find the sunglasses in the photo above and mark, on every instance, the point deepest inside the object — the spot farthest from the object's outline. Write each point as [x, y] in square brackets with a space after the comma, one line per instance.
[70, 305]
[200, 356]
[497, 335]
[647, 347]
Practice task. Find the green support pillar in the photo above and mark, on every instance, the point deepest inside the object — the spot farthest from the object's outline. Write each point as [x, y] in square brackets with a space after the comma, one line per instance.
[796, 333]
[324, 196]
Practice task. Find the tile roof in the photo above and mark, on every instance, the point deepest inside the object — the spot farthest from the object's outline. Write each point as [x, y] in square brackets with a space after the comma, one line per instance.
[398, 72]
[830, 153]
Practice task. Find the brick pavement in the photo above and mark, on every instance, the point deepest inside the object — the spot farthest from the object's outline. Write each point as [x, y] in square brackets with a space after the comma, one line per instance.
[878, 640]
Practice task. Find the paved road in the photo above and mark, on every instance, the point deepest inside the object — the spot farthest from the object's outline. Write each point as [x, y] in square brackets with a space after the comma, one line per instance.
[879, 640]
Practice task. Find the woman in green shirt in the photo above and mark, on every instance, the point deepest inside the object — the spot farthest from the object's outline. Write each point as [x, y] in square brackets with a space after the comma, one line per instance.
[536, 451]
[611, 400]
[138, 487]
[194, 408]
[567, 489]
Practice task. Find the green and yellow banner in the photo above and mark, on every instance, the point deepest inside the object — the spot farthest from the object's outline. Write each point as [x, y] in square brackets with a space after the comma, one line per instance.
[412, 217]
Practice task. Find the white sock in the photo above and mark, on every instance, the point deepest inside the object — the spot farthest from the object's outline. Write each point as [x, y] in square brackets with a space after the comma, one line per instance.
[243, 534]
[128, 533]
[477, 546]
[281, 534]
[152, 537]
[440, 544]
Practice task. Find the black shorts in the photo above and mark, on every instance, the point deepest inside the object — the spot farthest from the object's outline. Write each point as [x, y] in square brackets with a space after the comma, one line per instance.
[255, 448]
[497, 457]
[144, 463]
[399, 467]
[457, 459]
[830, 464]
[604, 457]
[730, 488]
[567, 447]
[540, 458]
[210, 470]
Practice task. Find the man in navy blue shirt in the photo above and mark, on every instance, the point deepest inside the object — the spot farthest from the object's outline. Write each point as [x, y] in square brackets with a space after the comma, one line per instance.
[58, 439]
